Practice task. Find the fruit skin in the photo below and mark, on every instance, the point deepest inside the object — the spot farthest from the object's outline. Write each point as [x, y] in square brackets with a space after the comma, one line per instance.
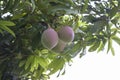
[59, 47]
[66, 34]
[49, 38]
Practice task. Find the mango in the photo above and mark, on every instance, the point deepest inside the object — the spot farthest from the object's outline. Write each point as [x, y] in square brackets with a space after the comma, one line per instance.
[66, 34]
[59, 47]
[49, 38]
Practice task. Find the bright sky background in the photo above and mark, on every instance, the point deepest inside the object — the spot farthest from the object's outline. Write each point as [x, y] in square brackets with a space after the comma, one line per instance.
[94, 66]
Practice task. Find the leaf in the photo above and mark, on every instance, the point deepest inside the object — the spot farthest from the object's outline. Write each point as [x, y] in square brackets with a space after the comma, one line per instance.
[118, 32]
[116, 39]
[109, 45]
[112, 50]
[22, 63]
[42, 5]
[30, 59]
[7, 29]
[34, 64]
[44, 51]
[90, 40]
[16, 2]
[76, 48]
[65, 9]
[43, 62]
[85, 6]
[18, 16]
[36, 40]
[39, 73]
[34, 61]
[9, 5]
[113, 11]
[33, 5]
[94, 46]
[98, 25]
[102, 45]
[7, 23]
[63, 72]
[56, 65]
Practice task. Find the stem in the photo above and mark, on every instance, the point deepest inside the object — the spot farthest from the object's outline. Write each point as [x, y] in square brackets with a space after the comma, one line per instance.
[48, 25]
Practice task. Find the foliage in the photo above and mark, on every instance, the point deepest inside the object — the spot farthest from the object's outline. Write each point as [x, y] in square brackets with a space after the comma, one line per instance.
[96, 23]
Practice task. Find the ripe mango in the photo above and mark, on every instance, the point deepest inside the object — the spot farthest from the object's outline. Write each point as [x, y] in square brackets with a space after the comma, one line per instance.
[59, 47]
[49, 38]
[66, 34]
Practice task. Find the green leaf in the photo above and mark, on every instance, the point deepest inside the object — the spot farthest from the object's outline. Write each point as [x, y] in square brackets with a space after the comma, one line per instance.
[56, 65]
[16, 2]
[9, 5]
[112, 50]
[63, 72]
[36, 40]
[34, 64]
[85, 6]
[7, 23]
[65, 9]
[94, 46]
[118, 32]
[98, 25]
[113, 11]
[22, 63]
[109, 45]
[18, 16]
[43, 62]
[44, 51]
[90, 40]
[33, 5]
[116, 39]
[7, 29]
[76, 48]
[30, 59]
[102, 45]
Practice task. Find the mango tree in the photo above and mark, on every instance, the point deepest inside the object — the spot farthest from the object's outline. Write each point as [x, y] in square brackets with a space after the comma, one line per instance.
[24, 45]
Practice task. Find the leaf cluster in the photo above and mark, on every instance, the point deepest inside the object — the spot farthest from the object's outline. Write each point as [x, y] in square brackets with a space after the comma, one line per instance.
[22, 56]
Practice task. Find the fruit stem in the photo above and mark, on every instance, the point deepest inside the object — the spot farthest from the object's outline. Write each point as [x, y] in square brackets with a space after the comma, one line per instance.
[48, 25]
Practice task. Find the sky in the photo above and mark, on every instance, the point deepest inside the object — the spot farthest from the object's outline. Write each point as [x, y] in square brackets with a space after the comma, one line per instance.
[93, 66]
